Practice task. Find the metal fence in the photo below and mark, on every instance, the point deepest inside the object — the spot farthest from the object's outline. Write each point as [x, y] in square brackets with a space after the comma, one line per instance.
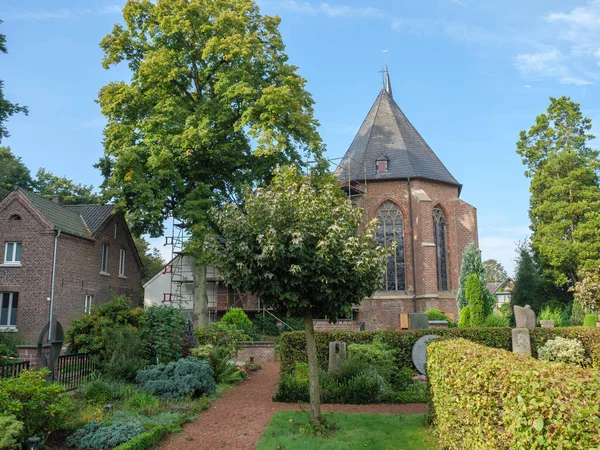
[71, 370]
[13, 369]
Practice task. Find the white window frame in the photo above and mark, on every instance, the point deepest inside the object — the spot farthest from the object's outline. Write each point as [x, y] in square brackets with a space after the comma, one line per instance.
[104, 260]
[13, 261]
[87, 304]
[11, 296]
[122, 262]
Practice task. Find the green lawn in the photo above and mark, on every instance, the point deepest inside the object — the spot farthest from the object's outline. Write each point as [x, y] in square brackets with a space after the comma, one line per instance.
[355, 431]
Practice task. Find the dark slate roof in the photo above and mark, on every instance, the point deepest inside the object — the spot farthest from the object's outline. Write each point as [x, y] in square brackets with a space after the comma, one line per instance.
[386, 133]
[94, 216]
[60, 217]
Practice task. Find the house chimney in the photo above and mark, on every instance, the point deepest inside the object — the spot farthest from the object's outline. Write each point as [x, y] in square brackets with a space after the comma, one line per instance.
[57, 199]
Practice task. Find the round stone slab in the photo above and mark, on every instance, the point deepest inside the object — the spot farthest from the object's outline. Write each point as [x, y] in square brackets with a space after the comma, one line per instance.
[419, 352]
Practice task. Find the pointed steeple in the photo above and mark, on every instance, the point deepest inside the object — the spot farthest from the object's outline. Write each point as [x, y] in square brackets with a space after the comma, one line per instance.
[387, 131]
[388, 83]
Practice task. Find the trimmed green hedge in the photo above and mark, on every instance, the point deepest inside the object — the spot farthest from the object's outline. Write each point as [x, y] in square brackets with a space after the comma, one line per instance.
[487, 398]
[293, 344]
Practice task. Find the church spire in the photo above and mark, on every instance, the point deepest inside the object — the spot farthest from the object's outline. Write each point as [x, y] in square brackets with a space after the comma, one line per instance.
[388, 83]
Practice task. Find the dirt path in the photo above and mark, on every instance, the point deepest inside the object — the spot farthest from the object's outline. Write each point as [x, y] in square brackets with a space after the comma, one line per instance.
[237, 419]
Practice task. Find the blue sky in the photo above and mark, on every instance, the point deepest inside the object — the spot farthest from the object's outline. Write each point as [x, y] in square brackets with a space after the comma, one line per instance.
[469, 75]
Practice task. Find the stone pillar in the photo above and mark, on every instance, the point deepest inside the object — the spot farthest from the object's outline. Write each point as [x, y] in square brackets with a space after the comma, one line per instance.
[337, 355]
[520, 341]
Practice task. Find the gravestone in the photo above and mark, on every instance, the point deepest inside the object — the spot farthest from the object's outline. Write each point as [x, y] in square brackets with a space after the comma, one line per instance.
[547, 323]
[418, 321]
[520, 341]
[524, 317]
[337, 355]
[419, 352]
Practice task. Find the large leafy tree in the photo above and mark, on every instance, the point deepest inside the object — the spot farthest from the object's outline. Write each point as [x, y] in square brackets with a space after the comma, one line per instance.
[565, 196]
[47, 184]
[13, 172]
[494, 271]
[212, 105]
[297, 245]
[7, 108]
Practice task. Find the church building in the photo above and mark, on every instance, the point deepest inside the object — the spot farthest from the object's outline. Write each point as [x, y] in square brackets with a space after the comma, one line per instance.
[391, 172]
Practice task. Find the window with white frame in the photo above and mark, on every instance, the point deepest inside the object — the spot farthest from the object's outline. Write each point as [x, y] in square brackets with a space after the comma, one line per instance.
[9, 302]
[122, 263]
[104, 265]
[87, 304]
[12, 253]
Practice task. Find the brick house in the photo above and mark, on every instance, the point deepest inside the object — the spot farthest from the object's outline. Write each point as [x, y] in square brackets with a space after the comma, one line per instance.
[95, 258]
[391, 172]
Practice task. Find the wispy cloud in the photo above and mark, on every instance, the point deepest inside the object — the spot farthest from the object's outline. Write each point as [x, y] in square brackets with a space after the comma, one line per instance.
[330, 10]
[549, 63]
[460, 3]
[64, 13]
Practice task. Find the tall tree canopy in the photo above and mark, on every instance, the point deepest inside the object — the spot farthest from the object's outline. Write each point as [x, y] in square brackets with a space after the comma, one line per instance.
[494, 271]
[7, 109]
[212, 105]
[13, 172]
[528, 284]
[565, 196]
[297, 245]
[47, 184]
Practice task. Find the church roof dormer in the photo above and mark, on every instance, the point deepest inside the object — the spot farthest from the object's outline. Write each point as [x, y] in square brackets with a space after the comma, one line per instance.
[387, 131]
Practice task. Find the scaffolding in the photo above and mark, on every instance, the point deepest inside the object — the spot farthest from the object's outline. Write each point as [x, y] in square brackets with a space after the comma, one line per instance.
[181, 287]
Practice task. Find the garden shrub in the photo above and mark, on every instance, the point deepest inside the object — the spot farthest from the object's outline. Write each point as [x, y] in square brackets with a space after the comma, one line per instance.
[375, 355]
[98, 435]
[495, 320]
[577, 315]
[478, 300]
[562, 349]
[436, 314]
[239, 319]
[163, 331]
[122, 357]
[589, 337]
[11, 432]
[221, 334]
[488, 398]
[219, 358]
[590, 320]
[266, 325]
[42, 406]
[550, 313]
[142, 403]
[88, 334]
[8, 347]
[464, 317]
[164, 418]
[189, 377]
[103, 390]
[202, 351]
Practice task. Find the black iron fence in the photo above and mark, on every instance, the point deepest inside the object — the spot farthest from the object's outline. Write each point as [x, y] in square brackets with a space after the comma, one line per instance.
[13, 369]
[71, 370]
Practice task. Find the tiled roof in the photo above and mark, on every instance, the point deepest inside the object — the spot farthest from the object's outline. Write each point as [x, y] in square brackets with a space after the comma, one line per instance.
[58, 215]
[386, 133]
[93, 215]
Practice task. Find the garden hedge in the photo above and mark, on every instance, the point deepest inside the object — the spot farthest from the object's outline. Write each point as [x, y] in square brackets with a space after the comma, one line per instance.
[486, 398]
[293, 344]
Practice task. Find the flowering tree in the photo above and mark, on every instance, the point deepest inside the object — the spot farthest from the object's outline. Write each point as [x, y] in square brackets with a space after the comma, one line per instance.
[299, 245]
[587, 291]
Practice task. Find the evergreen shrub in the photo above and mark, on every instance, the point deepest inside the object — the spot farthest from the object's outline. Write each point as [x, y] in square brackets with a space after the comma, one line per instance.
[436, 314]
[562, 349]
[590, 320]
[550, 313]
[494, 320]
[98, 435]
[486, 398]
[477, 301]
[464, 317]
[220, 334]
[187, 377]
[239, 319]
[163, 331]
[11, 432]
[104, 390]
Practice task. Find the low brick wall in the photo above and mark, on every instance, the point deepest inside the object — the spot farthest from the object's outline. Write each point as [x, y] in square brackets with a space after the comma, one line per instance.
[438, 324]
[258, 351]
[30, 353]
[344, 324]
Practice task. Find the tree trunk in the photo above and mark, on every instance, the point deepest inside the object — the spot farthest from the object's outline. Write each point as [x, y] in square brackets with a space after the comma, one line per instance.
[200, 297]
[313, 370]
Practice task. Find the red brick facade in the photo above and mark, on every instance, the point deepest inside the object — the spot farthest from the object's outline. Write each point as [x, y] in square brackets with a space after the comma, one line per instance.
[383, 309]
[78, 262]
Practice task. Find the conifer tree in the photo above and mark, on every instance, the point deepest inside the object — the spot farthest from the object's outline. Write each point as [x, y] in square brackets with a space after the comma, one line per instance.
[528, 286]
[471, 263]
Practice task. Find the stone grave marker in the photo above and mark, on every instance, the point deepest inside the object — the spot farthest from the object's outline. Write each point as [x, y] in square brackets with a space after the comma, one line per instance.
[520, 341]
[419, 352]
[524, 317]
[337, 355]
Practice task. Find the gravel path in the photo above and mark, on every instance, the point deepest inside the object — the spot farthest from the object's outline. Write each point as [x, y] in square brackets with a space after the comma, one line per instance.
[236, 420]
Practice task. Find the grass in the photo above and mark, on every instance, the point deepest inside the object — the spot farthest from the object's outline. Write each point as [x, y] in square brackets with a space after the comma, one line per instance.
[289, 430]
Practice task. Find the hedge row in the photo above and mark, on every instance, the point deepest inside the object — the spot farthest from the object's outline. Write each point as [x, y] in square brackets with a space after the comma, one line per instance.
[487, 398]
[293, 345]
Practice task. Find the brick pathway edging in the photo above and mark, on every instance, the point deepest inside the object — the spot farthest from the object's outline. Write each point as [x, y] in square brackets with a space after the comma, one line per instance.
[236, 420]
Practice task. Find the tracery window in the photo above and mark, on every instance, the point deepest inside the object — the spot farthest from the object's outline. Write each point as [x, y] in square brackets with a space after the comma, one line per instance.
[390, 230]
[439, 238]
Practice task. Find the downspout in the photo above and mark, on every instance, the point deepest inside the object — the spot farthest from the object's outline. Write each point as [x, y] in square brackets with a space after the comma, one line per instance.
[412, 247]
[52, 284]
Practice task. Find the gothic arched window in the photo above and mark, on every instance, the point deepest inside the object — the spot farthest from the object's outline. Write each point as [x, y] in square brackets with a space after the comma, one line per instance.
[439, 238]
[391, 229]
